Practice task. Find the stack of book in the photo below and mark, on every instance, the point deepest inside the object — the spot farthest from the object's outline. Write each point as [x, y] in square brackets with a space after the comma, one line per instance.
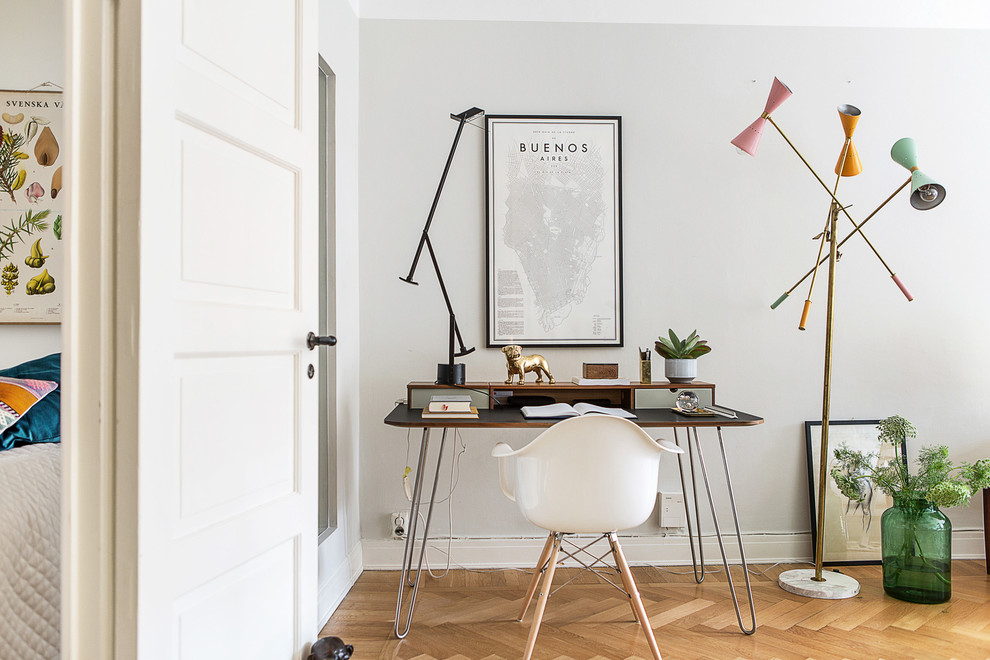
[450, 406]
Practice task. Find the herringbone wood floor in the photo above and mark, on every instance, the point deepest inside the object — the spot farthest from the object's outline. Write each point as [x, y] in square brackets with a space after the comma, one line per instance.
[471, 614]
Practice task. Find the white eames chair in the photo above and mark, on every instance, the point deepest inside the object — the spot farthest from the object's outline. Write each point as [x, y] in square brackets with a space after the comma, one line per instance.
[593, 474]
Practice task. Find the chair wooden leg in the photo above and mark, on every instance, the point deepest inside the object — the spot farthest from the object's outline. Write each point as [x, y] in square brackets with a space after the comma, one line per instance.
[634, 597]
[536, 576]
[541, 604]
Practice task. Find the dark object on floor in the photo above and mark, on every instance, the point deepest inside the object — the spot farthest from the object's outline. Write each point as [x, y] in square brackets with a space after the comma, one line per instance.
[330, 648]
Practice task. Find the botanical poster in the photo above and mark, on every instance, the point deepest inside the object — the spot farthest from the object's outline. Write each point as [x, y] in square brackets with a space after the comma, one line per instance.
[32, 137]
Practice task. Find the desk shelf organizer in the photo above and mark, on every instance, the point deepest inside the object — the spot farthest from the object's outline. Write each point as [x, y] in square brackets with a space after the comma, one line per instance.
[643, 396]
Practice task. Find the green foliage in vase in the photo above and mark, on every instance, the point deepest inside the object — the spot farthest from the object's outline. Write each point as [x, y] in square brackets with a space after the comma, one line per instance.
[936, 479]
[682, 349]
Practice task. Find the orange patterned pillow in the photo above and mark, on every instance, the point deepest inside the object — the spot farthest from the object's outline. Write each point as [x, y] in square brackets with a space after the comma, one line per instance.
[17, 395]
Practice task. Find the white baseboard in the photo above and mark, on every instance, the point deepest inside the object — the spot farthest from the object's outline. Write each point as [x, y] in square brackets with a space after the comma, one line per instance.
[671, 550]
[339, 582]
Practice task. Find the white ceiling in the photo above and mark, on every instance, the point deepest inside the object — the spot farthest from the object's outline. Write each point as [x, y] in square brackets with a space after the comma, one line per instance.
[966, 14]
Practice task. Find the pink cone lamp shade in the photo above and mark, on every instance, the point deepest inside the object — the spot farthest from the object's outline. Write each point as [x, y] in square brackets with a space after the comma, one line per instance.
[749, 139]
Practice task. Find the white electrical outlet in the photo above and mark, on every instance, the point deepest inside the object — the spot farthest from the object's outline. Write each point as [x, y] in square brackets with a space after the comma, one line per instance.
[397, 525]
[671, 510]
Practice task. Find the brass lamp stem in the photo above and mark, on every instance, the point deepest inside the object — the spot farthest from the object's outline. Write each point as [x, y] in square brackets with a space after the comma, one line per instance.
[849, 235]
[825, 235]
[826, 392]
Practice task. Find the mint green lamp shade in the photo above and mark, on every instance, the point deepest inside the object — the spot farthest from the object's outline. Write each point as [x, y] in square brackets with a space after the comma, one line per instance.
[925, 192]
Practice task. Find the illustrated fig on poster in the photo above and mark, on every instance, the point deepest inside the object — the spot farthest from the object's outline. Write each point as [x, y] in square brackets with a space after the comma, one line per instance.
[36, 259]
[57, 182]
[46, 148]
[8, 279]
[41, 284]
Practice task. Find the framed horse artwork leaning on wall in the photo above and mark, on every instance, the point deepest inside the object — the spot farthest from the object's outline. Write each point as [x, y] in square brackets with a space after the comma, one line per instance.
[852, 528]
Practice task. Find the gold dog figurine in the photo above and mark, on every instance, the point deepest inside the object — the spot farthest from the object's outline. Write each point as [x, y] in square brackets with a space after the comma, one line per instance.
[520, 364]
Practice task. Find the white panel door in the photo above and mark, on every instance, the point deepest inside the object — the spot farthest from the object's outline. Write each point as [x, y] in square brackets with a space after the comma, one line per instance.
[227, 418]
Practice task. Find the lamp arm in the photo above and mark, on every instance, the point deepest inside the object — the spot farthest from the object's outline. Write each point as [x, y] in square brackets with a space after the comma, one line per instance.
[842, 242]
[841, 207]
[833, 208]
[454, 330]
[462, 118]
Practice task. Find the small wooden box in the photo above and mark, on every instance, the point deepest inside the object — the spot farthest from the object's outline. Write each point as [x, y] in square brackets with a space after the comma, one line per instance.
[600, 370]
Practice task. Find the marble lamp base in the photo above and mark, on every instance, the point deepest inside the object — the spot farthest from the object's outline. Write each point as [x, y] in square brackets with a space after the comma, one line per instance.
[834, 587]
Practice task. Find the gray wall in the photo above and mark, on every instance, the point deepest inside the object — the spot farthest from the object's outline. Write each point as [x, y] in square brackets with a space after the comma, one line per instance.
[711, 237]
[35, 39]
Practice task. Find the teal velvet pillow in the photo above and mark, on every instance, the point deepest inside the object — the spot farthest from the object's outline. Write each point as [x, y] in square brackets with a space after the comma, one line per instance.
[40, 423]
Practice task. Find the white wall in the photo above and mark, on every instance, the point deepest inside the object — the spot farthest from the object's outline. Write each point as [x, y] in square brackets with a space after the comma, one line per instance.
[711, 238]
[340, 554]
[38, 48]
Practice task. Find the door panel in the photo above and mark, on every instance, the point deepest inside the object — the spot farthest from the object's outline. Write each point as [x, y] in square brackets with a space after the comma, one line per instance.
[228, 267]
[211, 485]
[250, 253]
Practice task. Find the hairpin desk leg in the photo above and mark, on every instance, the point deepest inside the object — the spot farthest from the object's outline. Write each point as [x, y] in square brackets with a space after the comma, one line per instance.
[699, 576]
[410, 546]
[718, 532]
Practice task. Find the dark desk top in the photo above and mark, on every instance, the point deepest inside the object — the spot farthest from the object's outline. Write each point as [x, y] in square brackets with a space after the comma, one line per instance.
[506, 417]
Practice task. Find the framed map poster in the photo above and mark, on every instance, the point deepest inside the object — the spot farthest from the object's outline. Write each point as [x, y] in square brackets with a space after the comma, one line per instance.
[554, 230]
[31, 200]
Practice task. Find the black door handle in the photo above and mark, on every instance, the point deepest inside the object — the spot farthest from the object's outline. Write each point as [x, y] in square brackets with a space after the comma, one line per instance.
[313, 340]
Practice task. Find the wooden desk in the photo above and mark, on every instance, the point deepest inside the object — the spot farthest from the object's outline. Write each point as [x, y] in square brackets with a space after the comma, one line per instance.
[511, 418]
[404, 416]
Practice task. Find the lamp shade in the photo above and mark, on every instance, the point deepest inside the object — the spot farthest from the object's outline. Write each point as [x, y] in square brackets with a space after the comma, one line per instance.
[925, 192]
[848, 163]
[749, 139]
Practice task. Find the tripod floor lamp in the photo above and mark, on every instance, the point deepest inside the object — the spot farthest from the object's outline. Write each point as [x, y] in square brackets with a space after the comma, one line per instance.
[447, 373]
[925, 194]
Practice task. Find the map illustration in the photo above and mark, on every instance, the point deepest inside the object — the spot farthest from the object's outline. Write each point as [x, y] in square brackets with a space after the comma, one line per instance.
[553, 231]
[554, 221]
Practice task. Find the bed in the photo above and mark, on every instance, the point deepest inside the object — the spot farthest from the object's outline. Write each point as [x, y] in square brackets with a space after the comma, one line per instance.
[30, 502]
[29, 551]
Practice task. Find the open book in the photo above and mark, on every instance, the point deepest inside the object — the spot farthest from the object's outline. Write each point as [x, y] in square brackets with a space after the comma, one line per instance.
[567, 410]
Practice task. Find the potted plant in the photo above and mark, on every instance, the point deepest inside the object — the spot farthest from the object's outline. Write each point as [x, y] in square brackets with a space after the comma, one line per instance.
[680, 356]
[915, 536]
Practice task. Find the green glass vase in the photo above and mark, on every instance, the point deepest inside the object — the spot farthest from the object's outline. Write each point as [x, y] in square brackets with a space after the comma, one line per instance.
[917, 552]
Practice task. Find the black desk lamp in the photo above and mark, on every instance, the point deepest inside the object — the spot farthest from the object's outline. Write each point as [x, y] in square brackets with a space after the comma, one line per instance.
[449, 373]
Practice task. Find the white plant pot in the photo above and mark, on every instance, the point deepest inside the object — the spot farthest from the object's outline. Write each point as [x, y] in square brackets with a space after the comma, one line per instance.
[680, 371]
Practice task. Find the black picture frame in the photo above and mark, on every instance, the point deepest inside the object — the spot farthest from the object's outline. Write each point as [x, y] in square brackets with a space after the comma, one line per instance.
[554, 230]
[852, 531]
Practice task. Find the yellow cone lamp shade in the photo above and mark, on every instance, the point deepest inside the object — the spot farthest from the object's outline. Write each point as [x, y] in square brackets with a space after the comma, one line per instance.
[848, 163]
[749, 139]
[925, 193]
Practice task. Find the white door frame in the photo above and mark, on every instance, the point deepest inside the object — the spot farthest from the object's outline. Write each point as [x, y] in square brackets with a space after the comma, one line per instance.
[99, 424]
